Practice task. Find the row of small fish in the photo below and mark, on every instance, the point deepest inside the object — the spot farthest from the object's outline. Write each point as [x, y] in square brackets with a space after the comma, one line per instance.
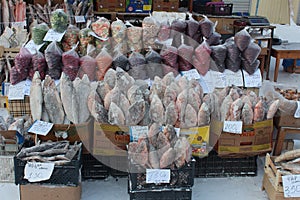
[289, 162]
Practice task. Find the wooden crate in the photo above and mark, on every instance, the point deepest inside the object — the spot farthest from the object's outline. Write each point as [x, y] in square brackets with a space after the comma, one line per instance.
[273, 173]
[287, 120]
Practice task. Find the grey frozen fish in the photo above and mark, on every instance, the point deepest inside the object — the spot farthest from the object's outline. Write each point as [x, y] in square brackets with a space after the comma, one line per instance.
[110, 78]
[124, 104]
[247, 114]
[225, 107]
[115, 115]
[135, 94]
[36, 97]
[96, 107]
[123, 80]
[168, 78]
[236, 110]
[171, 115]
[102, 89]
[70, 103]
[194, 99]
[204, 115]
[181, 103]
[136, 112]
[112, 96]
[45, 116]
[156, 110]
[169, 96]
[183, 83]
[53, 102]
[195, 85]
[146, 119]
[190, 117]
[158, 88]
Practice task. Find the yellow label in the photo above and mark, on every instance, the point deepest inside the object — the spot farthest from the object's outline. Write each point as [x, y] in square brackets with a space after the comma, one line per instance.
[196, 135]
[238, 149]
[261, 147]
[266, 123]
[229, 149]
[147, 7]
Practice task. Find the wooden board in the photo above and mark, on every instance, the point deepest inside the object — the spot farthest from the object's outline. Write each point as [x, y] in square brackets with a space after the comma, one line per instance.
[272, 172]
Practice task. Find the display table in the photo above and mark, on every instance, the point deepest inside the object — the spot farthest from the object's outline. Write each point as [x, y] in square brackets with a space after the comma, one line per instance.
[289, 50]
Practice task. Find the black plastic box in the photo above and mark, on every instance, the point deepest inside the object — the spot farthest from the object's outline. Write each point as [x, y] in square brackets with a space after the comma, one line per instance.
[171, 194]
[215, 166]
[93, 168]
[219, 9]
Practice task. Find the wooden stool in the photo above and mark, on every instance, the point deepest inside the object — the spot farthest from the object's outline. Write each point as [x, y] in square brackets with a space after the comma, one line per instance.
[280, 138]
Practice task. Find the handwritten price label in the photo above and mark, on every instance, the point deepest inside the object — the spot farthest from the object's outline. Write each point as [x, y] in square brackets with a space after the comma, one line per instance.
[233, 127]
[26, 89]
[254, 80]
[32, 47]
[36, 172]
[79, 19]
[16, 92]
[234, 78]
[291, 185]
[297, 113]
[191, 74]
[53, 36]
[137, 131]
[158, 175]
[40, 128]
[218, 78]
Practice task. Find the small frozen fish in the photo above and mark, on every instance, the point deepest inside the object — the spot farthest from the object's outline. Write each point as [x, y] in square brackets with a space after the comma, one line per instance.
[171, 114]
[259, 112]
[115, 115]
[36, 97]
[96, 107]
[136, 112]
[236, 110]
[273, 109]
[225, 107]
[204, 115]
[156, 111]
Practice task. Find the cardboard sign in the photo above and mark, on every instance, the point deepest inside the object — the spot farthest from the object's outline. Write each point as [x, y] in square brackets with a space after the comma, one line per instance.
[79, 19]
[36, 172]
[40, 128]
[204, 85]
[233, 127]
[234, 78]
[158, 175]
[191, 74]
[254, 80]
[16, 92]
[32, 47]
[136, 131]
[53, 36]
[210, 83]
[291, 185]
[26, 89]
[297, 113]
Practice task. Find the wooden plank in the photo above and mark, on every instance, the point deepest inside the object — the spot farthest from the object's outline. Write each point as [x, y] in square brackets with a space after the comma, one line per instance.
[274, 174]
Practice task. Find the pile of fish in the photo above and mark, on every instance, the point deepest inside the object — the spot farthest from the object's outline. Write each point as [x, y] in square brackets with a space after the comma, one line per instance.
[242, 105]
[160, 148]
[289, 162]
[59, 153]
[290, 94]
[20, 124]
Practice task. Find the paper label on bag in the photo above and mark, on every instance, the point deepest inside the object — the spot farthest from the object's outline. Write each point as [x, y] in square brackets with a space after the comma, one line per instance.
[79, 19]
[254, 80]
[233, 127]
[18, 24]
[136, 131]
[36, 172]
[234, 78]
[40, 127]
[16, 92]
[191, 74]
[27, 86]
[297, 113]
[96, 36]
[158, 175]
[53, 36]
[218, 78]
[291, 185]
[209, 82]
[32, 47]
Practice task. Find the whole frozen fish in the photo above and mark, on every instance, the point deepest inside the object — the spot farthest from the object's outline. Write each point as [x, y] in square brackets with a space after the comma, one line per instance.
[204, 115]
[115, 115]
[247, 114]
[36, 97]
[156, 111]
[136, 112]
[96, 107]
[110, 78]
[171, 115]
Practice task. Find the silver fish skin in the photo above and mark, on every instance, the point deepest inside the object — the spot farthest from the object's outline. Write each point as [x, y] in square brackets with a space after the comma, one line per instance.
[36, 97]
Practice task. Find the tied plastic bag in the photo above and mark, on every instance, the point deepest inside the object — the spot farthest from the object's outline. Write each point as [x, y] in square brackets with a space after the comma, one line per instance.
[120, 60]
[164, 31]
[242, 39]
[150, 30]
[70, 38]
[122, 46]
[138, 72]
[118, 30]
[137, 47]
[152, 56]
[192, 26]
[214, 39]
[92, 51]
[206, 27]
[201, 60]
[185, 55]
[85, 38]
[233, 65]
[251, 53]
[71, 63]
[218, 54]
[250, 68]
[178, 28]
[38, 64]
[134, 33]
[88, 66]
[136, 59]
[104, 61]
[53, 55]
[38, 33]
[100, 44]
[15, 76]
[101, 27]
[233, 59]
[59, 20]
[23, 61]
[169, 55]
[155, 69]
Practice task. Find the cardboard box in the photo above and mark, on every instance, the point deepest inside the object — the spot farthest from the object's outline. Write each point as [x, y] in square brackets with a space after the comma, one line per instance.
[109, 5]
[199, 139]
[255, 139]
[165, 5]
[137, 6]
[287, 120]
[49, 192]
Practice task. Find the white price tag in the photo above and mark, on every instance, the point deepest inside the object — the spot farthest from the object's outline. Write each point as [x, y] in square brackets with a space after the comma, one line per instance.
[177, 130]
[191, 74]
[16, 92]
[204, 85]
[8, 32]
[291, 185]
[32, 47]
[54, 36]
[96, 36]
[40, 128]
[136, 131]
[35, 171]
[218, 78]
[233, 127]
[297, 113]
[26, 89]
[79, 19]
[254, 80]
[158, 175]
[18, 24]
[209, 81]
[234, 78]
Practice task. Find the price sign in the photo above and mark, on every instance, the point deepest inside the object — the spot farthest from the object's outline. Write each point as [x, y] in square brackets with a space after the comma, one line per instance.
[158, 175]
[233, 127]
[191, 74]
[254, 80]
[96, 36]
[79, 19]
[297, 113]
[40, 128]
[54, 36]
[35, 171]
[136, 131]
[218, 78]
[204, 85]
[234, 78]
[16, 92]
[18, 24]
[8, 32]
[26, 89]
[32, 47]
[208, 81]
[291, 185]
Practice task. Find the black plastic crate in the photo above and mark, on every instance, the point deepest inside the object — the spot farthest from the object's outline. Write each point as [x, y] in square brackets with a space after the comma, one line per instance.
[183, 177]
[215, 166]
[219, 9]
[67, 174]
[170, 194]
[93, 168]
[118, 166]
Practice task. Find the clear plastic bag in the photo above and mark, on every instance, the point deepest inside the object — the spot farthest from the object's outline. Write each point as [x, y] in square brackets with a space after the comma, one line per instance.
[192, 26]
[250, 68]
[15, 76]
[218, 54]
[151, 28]
[164, 31]
[85, 38]
[118, 30]
[120, 60]
[134, 33]
[169, 55]
[23, 61]
[104, 61]
[38, 33]
[136, 59]
[251, 53]
[206, 27]
[101, 27]
[242, 39]
[214, 39]
[88, 66]
[38, 64]
[71, 63]
[202, 58]
[233, 59]
[152, 56]
[59, 20]
[53, 55]
[185, 55]
[70, 38]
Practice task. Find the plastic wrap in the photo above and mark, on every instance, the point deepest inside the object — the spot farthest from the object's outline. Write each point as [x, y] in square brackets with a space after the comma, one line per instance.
[101, 27]
[201, 60]
[214, 39]
[152, 56]
[233, 65]
[138, 72]
[70, 38]
[192, 26]
[104, 61]
[120, 60]
[88, 66]
[85, 38]
[15, 76]
[169, 56]
[38, 64]
[251, 53]
[250, 68]
[185, 54]
[38, 33]
[118, 30]
[59, 20]
[71, 63]
[136, 59]
[218, 54]
[233, 59]
[23, 61]
[164, 31]
[242, 39]
[122, 47]
[154, 69]
[150, 30]
[178, 29]
[53, 55]
[206, 27]
[134, 33]
[99, 44]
